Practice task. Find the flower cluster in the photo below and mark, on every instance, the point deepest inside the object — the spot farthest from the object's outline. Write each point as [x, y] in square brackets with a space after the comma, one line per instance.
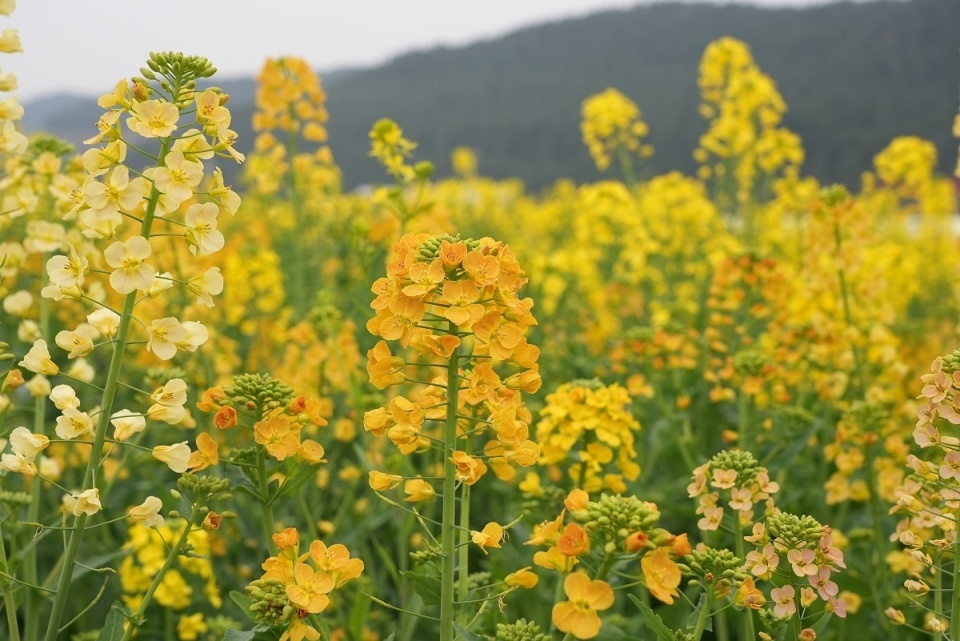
[734, 478]
[744, 140]
[442, 295]
[602, 533]
[809, 550]
[590, 421]
[290, 106]
[296, 586]
[611, 124]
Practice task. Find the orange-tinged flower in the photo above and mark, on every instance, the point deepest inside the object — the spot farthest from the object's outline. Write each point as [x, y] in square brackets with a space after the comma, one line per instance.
[382, 482]
[205, 455]
[661, 575]
[637, 541]
[289, 539]
[309, 593]
[482, 268]
[524, 578]
[554, 559]
[525, 454]
[528, 380]
[577, 500]
[336, 561]
[462, 297]
[548, 532]
[425, 277]
[574, 541]
[578, 616]
[314, 411]
[310, 452]
[299, 631]
[452, 254]
[279, 436]
[490, 536]
[469, 469]
[225, 418]
[376, 421]
[443, 346]
[278, 567]
[418, 491]
[500, 335]
[680, 546]
[749, 596]
[210, 399]
[383, 368]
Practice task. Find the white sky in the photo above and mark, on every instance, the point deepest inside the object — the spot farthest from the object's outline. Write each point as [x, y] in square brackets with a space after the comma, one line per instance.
[87, 45]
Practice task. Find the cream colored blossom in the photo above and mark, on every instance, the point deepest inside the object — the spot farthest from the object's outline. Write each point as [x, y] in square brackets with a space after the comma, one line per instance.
[148, 512]
[126, 423]
[38, 360]
[177, 456]
[73, 423]
[127, 259]
[64, 397]
[86, 502]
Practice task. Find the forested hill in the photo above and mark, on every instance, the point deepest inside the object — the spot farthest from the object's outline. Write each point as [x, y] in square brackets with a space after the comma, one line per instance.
[854, 75]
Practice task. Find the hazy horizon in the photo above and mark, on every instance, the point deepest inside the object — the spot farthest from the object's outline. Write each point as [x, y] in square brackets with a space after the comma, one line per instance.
[76, 53]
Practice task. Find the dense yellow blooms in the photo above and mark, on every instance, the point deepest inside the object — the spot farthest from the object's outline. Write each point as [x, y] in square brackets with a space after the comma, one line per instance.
[612, 125]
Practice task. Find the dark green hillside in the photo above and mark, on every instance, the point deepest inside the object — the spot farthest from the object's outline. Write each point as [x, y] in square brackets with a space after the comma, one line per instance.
[853, 75]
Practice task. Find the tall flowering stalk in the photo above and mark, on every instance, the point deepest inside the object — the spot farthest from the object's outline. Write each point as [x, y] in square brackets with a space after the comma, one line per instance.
[612, 124]
[456, 303]
[162, 201]
[929, 504]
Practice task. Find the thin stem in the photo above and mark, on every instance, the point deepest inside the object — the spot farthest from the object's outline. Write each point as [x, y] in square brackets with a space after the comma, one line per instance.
[448, 519]
[170, 560]
[9, 602]
[32, 599]
[464, 573]
[748, 629]
[955, 597]
[106, 403]
[704, 615]
[265, 508]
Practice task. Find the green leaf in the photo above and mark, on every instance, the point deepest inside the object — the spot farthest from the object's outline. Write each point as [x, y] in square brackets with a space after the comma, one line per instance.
[653, 620]
[243, 602]
[695, 615]
[239, 635]
[822, 623]
[358, 617]
[427, 587]
[240, 481]
[113, 627]
[293, 483]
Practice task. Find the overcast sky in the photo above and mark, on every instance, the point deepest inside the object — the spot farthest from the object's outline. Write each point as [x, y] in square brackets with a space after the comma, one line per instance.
[87, 45]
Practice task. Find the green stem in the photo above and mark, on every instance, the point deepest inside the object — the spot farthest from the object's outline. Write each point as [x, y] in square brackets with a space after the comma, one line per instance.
[704, 615]
[170, 560]
[795, 619]
[463, 569]
[955, 596]
[103, 422]
[938, 594]
[266, 510]
[748, 629]
[9, 602]
[447, 535]
[745, 407]
[300, 277]
[32, 599]
[626, 166]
